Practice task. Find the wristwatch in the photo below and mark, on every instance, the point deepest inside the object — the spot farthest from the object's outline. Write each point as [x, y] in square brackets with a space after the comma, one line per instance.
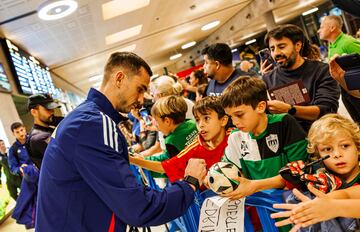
[192, 180]
[292, 110]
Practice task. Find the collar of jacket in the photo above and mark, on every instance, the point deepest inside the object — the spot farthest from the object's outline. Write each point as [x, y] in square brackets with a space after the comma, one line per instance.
[105, 105]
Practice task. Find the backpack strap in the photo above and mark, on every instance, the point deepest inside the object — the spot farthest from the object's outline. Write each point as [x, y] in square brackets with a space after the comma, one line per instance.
[15, 147]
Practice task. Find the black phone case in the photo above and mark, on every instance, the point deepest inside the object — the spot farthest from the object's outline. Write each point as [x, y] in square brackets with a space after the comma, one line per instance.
[349, 62]
[351, 65]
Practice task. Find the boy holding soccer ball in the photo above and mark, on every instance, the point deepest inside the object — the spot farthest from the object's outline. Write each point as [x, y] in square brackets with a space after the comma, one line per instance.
[262, 143]
[210, 144]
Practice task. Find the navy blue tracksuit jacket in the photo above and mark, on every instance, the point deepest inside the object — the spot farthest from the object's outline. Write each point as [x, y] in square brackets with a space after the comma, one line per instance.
[85, 178]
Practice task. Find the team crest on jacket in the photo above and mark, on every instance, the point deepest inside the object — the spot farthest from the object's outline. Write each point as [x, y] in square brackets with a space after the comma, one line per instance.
[272, 141]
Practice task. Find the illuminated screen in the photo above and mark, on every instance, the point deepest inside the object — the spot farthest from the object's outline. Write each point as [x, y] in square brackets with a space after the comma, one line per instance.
[30, 75]
[4, 82]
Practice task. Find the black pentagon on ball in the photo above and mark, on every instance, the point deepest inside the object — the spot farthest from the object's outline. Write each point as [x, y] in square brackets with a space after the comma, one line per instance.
[222, 189]
[211, 179]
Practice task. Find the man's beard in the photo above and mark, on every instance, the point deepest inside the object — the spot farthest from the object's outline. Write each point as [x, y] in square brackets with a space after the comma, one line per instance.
[289, 62]
[122, 109]
[48, 121]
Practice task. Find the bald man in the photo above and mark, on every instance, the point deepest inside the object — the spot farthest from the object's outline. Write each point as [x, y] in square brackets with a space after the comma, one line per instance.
[339, 44]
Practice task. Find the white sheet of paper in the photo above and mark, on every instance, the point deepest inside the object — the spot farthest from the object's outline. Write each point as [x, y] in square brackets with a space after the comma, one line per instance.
[220, 214]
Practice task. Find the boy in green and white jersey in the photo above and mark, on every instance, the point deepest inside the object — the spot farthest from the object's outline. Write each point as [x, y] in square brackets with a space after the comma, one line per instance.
[262, 143]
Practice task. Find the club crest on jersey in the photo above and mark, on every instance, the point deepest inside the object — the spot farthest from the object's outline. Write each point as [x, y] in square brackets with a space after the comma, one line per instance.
[272, 141]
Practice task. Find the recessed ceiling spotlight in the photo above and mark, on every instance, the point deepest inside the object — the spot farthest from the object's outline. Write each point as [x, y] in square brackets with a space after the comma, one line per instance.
[210, 25]
[250, 41]
[188, 45]
[174, 57]
[310, 11]
[56, 9]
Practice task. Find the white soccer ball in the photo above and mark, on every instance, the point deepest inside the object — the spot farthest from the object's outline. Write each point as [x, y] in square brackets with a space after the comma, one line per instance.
[220, 177]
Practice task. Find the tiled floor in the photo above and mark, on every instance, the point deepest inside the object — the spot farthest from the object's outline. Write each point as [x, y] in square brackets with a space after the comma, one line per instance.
[10, 226]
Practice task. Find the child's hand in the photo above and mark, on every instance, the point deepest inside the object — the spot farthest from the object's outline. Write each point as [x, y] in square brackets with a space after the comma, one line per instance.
[296, 167]
[245, 188]
[323, 181]
[307, 212]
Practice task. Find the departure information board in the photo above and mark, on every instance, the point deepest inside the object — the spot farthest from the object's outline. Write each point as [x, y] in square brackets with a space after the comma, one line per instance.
[4, 82]
[31, 76]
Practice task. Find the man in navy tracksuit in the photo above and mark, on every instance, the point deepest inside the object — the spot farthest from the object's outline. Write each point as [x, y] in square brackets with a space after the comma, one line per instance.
[85, 180]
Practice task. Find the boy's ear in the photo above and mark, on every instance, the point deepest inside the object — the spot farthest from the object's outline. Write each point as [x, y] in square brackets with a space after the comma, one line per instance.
[168, 121]
[224, 120]
[261, 107]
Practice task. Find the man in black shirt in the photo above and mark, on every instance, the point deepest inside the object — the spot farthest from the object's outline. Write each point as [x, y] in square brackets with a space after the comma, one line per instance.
[289, 47]
[41, 107]
[218, 66]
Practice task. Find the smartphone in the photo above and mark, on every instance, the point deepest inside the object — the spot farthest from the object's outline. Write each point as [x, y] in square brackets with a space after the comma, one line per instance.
[348, 62]
[351, 65]
[265, 54]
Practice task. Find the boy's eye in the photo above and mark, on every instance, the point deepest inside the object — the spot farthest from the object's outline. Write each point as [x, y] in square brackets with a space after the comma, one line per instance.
[325, 149]
[345, 145]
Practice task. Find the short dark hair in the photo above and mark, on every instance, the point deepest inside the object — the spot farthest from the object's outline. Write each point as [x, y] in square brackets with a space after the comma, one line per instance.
[292, 32]
[129, 61]
[208, 103]
[200, 75]
[244, 90]
[220, 52]
[16, 125]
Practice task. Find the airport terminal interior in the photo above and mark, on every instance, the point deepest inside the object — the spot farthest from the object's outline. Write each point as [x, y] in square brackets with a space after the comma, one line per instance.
[53, 52]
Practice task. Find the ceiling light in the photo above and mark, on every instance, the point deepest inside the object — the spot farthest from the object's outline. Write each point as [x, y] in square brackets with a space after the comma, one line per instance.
[175, 56]
[188, 45]
[124, 34]
[95, 78]
[310, 11]
[210, 25]
[119, 7]
[234, 50]
[250, 41]
[56, 9]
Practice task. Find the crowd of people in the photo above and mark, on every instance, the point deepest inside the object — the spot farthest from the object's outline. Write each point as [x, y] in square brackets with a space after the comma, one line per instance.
[83, 175]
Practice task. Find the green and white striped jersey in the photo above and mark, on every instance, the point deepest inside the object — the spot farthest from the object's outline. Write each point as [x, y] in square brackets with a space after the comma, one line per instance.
[262, 156]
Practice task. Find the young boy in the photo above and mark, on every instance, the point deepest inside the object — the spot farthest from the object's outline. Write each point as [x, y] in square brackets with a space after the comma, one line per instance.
[339, 138]
[211, 141]
[263, 143]
[169, 113]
